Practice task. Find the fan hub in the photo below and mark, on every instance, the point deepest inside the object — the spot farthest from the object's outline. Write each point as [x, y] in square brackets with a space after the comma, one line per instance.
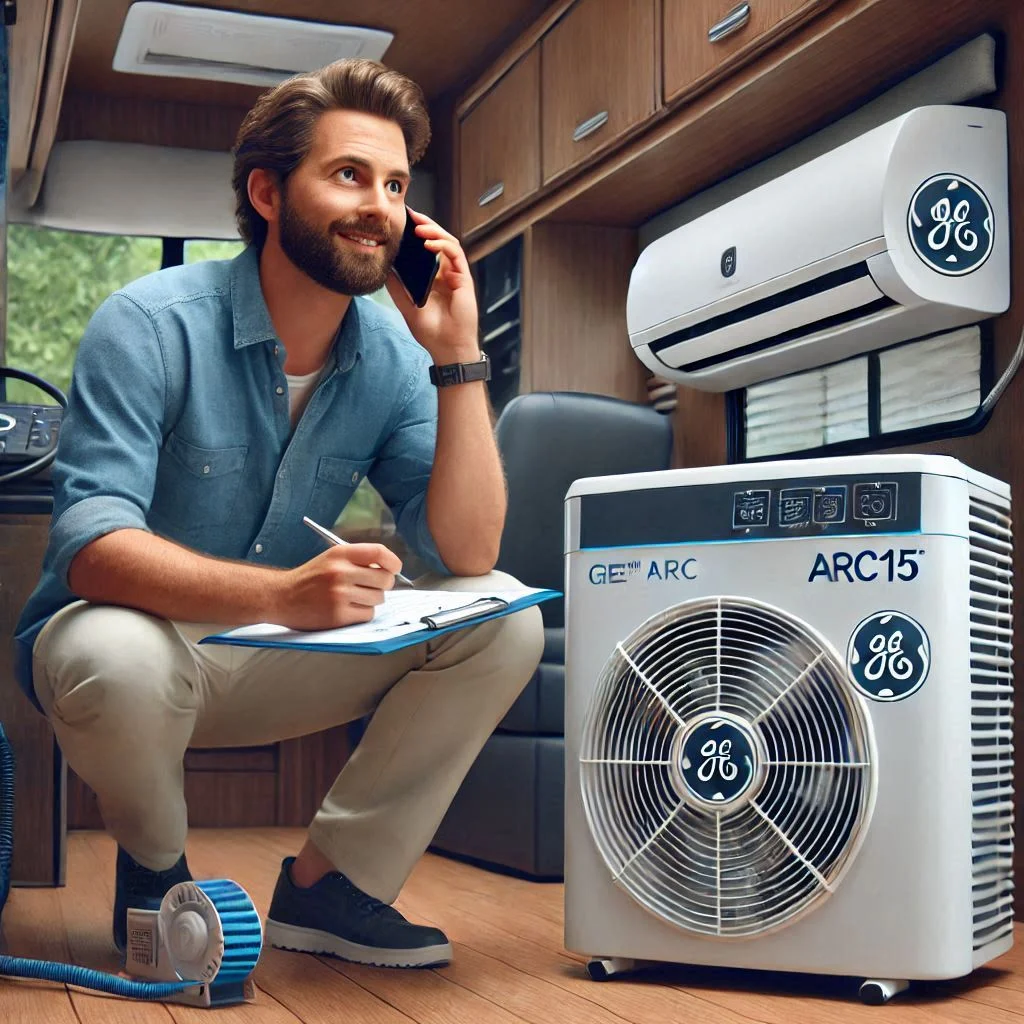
[718, 762]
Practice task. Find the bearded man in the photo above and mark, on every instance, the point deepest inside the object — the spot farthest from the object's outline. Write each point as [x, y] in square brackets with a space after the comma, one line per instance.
[212, 407]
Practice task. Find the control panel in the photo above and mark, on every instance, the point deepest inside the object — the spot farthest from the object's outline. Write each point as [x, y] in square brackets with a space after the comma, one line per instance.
[27, 431]
[757, 510]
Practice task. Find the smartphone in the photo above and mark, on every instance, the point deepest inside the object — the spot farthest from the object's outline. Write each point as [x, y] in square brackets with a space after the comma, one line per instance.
[415, 265]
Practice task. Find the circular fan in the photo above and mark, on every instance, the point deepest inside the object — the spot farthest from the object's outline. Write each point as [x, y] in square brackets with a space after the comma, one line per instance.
[726, 766]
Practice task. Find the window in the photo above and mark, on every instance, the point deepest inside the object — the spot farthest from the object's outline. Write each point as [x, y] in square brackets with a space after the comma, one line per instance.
[56, 281]
[923, 389]
[197, 249]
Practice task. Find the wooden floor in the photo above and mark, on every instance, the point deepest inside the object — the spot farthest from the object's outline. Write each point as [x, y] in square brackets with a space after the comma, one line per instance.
[509, 963]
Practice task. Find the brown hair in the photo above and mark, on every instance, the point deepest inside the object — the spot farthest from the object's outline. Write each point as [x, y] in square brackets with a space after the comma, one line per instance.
[278, 132]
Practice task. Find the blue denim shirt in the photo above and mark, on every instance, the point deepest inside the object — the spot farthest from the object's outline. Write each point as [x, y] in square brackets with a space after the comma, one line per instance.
[178, 424]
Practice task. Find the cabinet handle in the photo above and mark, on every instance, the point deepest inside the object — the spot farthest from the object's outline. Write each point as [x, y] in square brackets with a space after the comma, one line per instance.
[732, 22]
[588, 127]
[494, 192]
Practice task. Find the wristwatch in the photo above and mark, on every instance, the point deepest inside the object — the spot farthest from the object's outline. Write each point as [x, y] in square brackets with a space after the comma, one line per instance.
[460, 373]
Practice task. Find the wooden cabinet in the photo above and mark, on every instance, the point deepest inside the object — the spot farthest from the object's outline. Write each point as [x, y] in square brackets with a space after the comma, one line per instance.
[597, 79]
[553, 313]
[500, 145]
[705, 39]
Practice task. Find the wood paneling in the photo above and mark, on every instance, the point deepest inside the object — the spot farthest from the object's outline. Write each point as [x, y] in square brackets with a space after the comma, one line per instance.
[152, 122]
[699, 426]
[500, 145]
[38, 774]
[597, 61]
[692, 61]
[574, 294]
[438, 46]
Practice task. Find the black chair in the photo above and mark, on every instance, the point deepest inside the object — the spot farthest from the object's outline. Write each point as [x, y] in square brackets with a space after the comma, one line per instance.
[508, 812]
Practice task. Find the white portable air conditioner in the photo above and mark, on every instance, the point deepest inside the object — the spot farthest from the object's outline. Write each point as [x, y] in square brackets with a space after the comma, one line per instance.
[901, 232]
[788, 729]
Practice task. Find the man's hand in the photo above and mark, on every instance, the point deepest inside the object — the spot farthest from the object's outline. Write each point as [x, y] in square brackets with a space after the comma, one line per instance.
[336, 588]
[447, 324]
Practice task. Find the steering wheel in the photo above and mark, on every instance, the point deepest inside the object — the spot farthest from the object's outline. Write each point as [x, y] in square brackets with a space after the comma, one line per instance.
[36, 465]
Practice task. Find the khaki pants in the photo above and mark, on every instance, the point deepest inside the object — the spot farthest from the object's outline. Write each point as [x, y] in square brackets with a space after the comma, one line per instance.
[128, 692]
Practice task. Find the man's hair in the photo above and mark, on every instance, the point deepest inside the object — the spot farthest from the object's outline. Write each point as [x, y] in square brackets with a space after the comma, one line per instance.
[278, 132]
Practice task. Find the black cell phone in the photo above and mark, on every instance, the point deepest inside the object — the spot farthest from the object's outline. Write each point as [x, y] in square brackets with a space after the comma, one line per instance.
[415, 265]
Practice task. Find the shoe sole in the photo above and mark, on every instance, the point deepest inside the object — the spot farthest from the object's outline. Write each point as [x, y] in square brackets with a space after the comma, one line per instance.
[310, 940]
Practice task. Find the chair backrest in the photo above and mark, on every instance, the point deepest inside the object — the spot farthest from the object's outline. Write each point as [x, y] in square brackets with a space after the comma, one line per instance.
[549, 439]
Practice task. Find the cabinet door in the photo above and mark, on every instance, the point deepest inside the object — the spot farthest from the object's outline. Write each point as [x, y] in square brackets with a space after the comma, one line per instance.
[597, 78]
[499, 147]
[704, 39]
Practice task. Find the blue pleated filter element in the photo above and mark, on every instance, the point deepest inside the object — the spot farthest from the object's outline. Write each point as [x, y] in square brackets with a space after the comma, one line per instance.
[213, 932]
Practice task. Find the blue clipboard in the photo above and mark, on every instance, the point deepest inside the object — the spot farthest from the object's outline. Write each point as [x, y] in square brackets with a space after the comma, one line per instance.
[434, 625]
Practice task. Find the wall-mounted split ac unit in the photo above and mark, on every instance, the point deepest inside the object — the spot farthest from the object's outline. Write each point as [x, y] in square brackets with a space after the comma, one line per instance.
[789, 719]
[899, 233]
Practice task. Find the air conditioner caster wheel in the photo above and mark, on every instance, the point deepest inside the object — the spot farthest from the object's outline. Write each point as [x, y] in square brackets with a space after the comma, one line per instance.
[603, 970]
[876, 992]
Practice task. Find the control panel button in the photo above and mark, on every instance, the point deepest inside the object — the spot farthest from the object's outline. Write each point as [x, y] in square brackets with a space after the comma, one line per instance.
[751, 508]
[874, 502]
[795, 506]
[830, 505]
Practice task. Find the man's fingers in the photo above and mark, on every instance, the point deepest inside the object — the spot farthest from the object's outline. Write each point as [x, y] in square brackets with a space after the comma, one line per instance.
[373, 555]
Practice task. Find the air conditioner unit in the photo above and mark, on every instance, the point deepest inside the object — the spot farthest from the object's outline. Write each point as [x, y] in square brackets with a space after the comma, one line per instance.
[229, 46]
[899, 233]
[788, 734]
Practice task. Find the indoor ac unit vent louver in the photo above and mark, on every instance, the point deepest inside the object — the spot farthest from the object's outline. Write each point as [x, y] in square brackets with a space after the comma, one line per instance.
[251, 49]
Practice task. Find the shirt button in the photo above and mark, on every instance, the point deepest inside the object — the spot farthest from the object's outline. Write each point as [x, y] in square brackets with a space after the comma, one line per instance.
[206, 469]
[259, 549]
[275, 350]
[279, 389]
[355, 477]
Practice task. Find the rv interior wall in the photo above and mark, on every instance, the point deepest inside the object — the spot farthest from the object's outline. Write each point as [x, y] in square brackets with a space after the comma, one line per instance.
[125, 188]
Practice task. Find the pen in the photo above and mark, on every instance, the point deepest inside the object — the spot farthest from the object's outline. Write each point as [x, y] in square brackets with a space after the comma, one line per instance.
[333, 538]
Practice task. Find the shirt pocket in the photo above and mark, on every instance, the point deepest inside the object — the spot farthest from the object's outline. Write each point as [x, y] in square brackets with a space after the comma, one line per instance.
[197, 487]
[336, 480]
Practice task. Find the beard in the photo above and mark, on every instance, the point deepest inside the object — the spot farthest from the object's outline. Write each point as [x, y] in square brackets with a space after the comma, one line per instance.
[320, 256]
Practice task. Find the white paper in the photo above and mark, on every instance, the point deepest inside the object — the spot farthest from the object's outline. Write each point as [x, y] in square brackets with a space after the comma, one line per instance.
[401, 613]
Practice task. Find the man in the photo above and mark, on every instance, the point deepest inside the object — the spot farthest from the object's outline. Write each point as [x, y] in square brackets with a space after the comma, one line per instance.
[214, 405]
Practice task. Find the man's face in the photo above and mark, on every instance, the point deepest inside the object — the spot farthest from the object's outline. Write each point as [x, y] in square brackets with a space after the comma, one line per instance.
[343, 207]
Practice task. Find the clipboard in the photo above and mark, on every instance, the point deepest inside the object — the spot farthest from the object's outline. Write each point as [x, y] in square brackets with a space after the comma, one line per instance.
[466, 614]
[371, 638]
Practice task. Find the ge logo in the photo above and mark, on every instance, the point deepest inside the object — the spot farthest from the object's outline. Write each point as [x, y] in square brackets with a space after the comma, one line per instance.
[950, 224]
[889, 656]
[717, 760]
[717, 757]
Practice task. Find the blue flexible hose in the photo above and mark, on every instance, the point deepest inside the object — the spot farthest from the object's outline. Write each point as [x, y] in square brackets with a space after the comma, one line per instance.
[42, 970]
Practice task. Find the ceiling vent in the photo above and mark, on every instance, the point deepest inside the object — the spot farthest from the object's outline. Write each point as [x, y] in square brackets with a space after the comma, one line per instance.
[226, 46]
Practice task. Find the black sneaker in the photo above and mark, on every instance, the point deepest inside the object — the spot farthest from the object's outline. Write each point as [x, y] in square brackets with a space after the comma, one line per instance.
[142, 889]
[335, 917]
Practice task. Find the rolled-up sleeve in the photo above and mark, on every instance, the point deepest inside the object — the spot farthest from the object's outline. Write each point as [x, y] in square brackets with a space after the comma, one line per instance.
[110, 437]
[402, 470]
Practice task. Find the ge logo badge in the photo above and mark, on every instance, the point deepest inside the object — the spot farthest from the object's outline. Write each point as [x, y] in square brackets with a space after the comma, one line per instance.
[717, 761]
[950, 224]
[728, 263]
[888, 656]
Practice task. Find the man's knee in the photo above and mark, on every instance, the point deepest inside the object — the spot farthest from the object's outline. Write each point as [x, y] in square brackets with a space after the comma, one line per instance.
[517, 640]
[98, 657]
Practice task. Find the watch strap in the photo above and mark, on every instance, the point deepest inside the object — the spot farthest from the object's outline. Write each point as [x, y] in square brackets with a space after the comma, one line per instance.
[461, 373]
